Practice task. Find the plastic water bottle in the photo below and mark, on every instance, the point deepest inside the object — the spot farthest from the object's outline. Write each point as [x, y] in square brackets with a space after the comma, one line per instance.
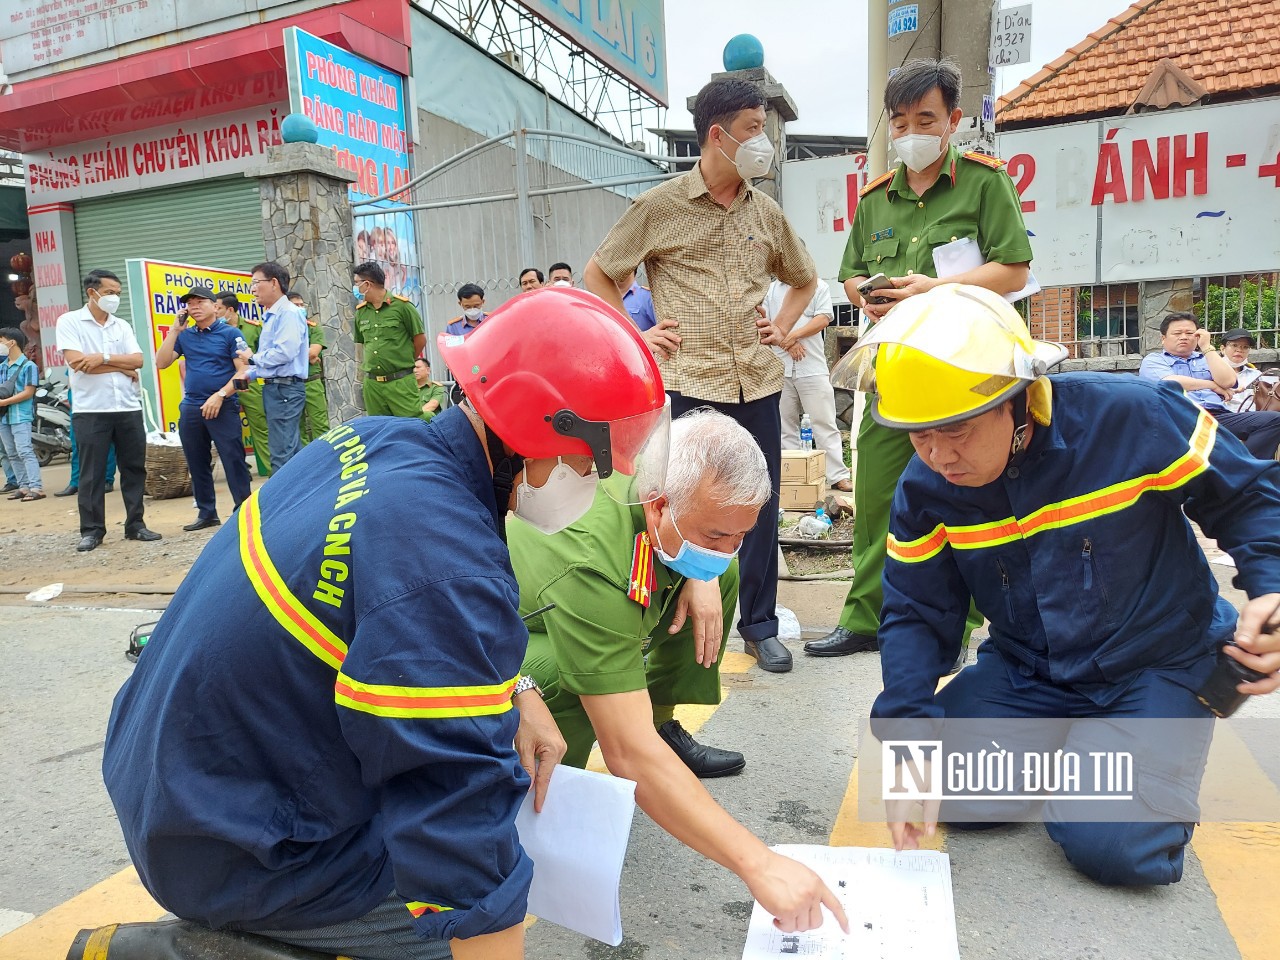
[806, 433]
[821, 514]
[241, 345]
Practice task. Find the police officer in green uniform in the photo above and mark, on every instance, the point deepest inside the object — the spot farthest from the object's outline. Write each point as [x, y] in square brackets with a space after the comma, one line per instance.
[430, 393]
[937, 196]
[315, 413]
[639, 626]
[392, 333]
[227, 307]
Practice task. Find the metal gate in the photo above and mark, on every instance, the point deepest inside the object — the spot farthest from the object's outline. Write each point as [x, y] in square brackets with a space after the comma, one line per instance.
[527, 198]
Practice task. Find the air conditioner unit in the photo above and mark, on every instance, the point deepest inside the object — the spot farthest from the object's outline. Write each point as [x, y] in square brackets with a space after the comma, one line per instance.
[512, 59]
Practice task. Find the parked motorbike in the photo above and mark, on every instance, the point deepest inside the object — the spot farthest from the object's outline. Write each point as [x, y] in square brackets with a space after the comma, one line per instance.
[51, 430]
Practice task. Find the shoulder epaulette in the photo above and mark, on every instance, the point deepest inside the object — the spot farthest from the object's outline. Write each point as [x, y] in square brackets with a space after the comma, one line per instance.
[995, 163]
[311, 323]
[397, 296]
[883, 178]
[252, 322]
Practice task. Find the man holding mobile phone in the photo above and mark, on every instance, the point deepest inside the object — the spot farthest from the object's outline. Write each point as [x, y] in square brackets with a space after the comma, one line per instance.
[937, 195]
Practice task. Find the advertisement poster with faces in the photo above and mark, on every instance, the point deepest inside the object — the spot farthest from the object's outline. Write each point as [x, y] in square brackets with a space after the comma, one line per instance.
[360, 111]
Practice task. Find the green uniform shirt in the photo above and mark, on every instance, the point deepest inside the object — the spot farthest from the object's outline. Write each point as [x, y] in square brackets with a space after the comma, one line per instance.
[251, 333]
[894, 230]
[432, 391]
[387, 334]
[599, 634]
[315, 334]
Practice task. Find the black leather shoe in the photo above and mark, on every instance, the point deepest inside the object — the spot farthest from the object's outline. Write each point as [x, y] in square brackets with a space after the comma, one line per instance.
[840, 642]
[705, 762]
[88, 543]
[770, 654]
[67, 491]
[143, 534]
[9, 488]
[110, 487]
[203, 524]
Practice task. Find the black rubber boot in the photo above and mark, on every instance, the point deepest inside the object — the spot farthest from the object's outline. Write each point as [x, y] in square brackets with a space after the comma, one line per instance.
[180, 940]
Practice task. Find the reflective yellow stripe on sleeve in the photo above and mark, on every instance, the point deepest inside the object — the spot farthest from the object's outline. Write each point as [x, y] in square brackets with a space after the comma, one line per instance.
[1065, 513]
[302, 625]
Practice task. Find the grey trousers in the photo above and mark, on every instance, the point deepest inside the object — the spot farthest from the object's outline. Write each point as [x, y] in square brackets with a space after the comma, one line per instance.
[384, 933]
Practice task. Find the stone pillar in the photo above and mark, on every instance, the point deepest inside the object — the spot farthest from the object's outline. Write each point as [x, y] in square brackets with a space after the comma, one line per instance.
[306, 228]
[1156, 299]
[779, 109]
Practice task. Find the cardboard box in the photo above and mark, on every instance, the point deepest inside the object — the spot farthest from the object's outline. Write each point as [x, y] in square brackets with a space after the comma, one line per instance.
[803, 466]
[800, 496]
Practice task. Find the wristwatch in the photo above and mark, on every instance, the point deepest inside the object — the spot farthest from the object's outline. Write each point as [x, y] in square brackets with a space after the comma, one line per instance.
[223, 393]
[106, 358]
[525, 684]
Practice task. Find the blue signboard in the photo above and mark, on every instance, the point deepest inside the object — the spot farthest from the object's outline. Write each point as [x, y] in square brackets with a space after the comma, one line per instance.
[904, 19]
[359, 108]
[628, 35]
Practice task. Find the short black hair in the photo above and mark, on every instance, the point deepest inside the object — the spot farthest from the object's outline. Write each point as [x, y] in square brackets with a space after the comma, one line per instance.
[470, 290]
[559, 265]
[294, 293]
[229, 300]
[720, 101]
[369, 270]
[916, 78]
[16, 335]
[535, 271]
[1171, 318]
[273, 271]
[423, 358]
[93, 279]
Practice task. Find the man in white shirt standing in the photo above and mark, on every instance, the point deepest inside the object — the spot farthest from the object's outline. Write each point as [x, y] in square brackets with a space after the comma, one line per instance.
[103, 358]
[806, 384]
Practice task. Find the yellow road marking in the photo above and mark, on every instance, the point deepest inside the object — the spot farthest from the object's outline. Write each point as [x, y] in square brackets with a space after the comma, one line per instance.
[118, 899]
[1241, 860]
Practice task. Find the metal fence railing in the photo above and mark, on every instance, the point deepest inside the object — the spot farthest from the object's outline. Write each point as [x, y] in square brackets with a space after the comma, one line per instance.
[1105, 320]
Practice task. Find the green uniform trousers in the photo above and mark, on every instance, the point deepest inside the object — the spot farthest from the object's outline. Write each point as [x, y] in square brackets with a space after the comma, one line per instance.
[674, 676]
[251, 403]
[394, 398]
[315, 412]
[882, 456]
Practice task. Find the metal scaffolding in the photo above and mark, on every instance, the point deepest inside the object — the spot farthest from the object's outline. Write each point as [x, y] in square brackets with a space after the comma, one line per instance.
[571, 74]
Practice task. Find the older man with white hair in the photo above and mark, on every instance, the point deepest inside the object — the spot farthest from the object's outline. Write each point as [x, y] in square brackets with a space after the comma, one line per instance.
[643, 596]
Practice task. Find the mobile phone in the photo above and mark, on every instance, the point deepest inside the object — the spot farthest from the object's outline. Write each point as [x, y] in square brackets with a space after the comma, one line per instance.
[878, 282]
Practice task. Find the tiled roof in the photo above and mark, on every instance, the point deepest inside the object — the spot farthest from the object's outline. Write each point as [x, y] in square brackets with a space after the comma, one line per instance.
[1229, 46]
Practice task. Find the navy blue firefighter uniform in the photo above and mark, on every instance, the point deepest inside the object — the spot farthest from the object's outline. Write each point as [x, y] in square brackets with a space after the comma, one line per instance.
[1101, 602]
[319, 721]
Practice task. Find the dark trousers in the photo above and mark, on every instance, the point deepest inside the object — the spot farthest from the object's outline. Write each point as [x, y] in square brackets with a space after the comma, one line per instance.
[758, 561]
[1147, 852]
[1259, 429]
[224, 432]
[95, 433]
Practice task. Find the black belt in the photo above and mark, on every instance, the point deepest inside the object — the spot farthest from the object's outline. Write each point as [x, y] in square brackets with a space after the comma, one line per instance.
[392, 376]
[283, 380]
[315, 376]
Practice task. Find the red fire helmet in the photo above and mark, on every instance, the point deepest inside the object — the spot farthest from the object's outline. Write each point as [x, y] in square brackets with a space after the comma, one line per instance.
[557, 371]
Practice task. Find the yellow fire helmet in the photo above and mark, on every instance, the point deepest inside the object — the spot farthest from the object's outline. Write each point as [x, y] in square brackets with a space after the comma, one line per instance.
[947, 355]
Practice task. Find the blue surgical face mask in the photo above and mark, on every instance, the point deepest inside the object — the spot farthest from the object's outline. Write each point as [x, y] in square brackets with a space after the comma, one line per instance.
[693, 561]
[356, 291]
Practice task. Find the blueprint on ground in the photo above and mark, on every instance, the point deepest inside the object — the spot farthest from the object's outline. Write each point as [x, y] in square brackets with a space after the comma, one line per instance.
[899, 907]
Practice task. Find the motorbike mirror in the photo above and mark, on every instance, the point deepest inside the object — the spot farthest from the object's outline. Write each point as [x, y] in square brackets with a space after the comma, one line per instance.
[42, 392]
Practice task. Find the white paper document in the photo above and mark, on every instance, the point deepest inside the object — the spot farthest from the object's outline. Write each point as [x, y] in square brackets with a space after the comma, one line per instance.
[899, 907]
[577, 844]
[963, 255]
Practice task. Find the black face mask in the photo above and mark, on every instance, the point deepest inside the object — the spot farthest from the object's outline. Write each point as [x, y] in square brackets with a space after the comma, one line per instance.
[506, 467]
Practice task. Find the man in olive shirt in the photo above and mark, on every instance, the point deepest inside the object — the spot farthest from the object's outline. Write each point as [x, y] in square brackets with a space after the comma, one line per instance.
[430, 393]
[710, 244]
[227, 309]
[392, 333]
[937, 196]
[631, 636]
[315, 414]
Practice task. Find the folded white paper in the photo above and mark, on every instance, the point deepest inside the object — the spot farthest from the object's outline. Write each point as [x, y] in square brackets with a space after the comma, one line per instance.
[963, 255]
[899, 907]
[577, 844]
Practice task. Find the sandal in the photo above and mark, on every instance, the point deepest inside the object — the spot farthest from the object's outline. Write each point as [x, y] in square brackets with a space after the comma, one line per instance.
[19, 494]
[33, 495]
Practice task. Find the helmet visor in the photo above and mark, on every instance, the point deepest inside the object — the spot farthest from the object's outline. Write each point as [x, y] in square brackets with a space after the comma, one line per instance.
[635, 449]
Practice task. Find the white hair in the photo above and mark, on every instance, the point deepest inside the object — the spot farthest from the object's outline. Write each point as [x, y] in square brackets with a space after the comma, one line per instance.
[709, 447]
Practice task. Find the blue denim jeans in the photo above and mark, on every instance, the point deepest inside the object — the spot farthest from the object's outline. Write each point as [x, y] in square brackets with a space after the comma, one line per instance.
[16, 438]
[283, 404]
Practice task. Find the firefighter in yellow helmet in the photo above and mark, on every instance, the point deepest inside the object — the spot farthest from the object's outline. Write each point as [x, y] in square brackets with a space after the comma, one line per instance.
[1060, 504]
